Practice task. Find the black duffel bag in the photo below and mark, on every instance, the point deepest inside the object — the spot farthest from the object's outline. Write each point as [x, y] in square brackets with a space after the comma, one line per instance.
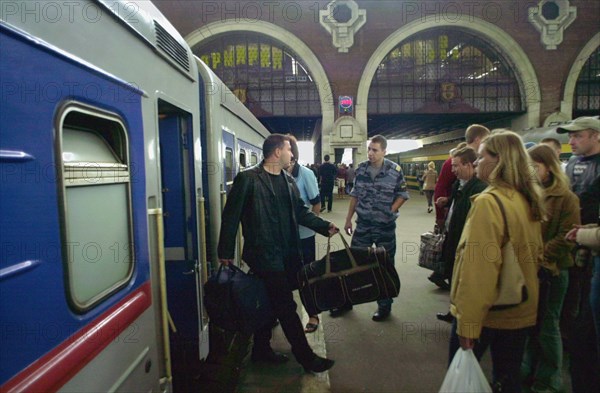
[237, 301]
[351, 276]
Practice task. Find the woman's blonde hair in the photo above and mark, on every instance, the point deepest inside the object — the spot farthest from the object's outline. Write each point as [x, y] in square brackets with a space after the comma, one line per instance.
[513, 169]
[544, 154]
[431, 165]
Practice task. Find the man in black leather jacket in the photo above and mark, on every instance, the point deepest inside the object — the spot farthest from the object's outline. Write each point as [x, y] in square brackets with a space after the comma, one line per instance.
[267, 202]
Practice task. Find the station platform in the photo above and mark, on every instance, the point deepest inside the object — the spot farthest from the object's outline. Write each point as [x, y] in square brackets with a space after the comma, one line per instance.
[406, 353]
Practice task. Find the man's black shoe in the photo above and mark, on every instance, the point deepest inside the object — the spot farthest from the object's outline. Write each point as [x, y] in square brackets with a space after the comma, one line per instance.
[381, 314]
[336, 312]
[446, 317]
[318, 365]
[322, 209]
[439, 281]
[269, 357]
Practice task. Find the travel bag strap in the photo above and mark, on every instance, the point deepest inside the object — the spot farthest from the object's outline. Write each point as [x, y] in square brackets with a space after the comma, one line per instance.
[328, 258]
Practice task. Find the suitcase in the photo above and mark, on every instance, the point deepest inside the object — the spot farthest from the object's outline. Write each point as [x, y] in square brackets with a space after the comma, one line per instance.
[351, 276]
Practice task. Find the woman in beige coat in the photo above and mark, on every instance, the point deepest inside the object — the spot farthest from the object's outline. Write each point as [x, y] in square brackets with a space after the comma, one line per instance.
[503, 164]
[429, 179]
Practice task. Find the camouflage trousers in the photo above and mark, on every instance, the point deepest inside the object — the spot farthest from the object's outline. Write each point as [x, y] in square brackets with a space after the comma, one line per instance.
[381, 236]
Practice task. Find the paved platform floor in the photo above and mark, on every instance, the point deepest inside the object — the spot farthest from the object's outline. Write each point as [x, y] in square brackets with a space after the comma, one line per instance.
[406, 353]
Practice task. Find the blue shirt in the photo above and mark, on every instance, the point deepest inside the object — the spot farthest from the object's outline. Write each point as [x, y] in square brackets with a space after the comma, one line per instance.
[309, 191]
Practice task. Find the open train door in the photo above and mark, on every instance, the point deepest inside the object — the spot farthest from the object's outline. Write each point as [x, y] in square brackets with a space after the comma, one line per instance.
[187, 325]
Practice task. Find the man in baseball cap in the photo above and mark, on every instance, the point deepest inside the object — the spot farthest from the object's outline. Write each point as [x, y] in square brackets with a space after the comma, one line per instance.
[580, 124]
[583, 170]
[583, 135]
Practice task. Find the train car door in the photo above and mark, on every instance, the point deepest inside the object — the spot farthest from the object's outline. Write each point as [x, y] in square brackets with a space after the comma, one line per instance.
[229, 164]
[180, 237]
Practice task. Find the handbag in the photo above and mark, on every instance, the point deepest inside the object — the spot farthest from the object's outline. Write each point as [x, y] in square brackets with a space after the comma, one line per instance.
[354, 275]
[465, 375]
[430, 251]
[237, 301]
[511, 287]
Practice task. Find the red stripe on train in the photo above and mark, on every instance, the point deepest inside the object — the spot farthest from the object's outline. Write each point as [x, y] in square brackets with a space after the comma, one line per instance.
[57, 367]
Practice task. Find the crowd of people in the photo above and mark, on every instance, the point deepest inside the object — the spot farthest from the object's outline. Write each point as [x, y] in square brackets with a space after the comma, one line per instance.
[496, 200]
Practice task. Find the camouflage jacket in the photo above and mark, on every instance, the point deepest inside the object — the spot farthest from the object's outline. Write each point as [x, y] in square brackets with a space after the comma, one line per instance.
[375, 197]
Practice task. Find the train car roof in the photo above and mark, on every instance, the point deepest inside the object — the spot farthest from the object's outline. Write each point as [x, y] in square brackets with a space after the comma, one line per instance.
[147, 21]
[228, 100]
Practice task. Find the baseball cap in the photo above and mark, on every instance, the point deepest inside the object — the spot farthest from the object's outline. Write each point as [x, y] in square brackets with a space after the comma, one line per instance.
[581, 123]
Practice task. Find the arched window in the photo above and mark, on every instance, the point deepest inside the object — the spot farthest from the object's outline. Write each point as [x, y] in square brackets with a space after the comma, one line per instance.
[264, 74]
[444, 71]
[587, 89]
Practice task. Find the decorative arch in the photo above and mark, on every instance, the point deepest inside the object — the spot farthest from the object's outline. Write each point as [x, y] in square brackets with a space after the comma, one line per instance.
[528, 81]
[566, 106]
[285, 37]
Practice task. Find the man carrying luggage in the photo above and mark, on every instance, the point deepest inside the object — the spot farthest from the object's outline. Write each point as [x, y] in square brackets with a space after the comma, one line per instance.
[379, 191]
[267, 202]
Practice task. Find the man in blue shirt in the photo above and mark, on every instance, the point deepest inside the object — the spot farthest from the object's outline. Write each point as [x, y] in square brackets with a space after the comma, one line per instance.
[379, 191]
[309, 192]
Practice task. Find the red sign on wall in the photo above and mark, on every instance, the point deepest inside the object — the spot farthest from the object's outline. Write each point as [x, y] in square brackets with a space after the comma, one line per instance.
[346, 103]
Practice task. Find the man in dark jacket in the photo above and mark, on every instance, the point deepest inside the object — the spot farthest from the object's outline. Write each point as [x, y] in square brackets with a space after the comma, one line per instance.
[267, 202]
[466, 185]
[583, 170]
[327, 174]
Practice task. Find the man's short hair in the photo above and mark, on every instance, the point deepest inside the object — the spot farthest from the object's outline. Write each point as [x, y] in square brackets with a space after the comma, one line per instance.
[552, 141]
[466, 155]
[326, 158]
[381, 140]
[273, 142]
[294, 144]
[475, 131]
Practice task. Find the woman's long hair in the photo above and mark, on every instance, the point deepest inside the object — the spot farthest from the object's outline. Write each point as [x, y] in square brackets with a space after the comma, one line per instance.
[513, 169]
[544, 154]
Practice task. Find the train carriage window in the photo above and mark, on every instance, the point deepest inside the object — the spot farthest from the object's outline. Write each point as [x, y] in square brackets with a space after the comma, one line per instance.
[243, 162]
[253, 159]
[94, 175]
[228, 165]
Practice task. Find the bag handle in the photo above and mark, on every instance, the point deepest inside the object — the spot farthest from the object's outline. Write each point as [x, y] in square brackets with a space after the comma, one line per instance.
[501, 206]
[328, 257]
[231, 267]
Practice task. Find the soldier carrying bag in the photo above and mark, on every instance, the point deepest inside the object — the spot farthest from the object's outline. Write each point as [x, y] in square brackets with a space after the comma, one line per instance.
[351, 276]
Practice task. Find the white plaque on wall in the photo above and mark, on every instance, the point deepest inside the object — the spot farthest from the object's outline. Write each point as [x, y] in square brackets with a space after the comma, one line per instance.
[346, 131]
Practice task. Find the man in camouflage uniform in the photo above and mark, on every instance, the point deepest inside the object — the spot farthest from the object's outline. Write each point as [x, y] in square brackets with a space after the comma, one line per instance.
[379, 191]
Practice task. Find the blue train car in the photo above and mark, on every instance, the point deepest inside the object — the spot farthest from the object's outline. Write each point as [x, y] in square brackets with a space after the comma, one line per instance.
[103, 115]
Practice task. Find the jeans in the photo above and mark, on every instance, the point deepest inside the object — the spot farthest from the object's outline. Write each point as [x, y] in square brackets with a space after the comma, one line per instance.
[595, 301]
[327, 194]
[543, 354]
[506, 347]
[582, 343]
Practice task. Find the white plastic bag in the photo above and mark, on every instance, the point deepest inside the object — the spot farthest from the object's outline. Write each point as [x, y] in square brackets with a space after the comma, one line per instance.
[465, 375]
